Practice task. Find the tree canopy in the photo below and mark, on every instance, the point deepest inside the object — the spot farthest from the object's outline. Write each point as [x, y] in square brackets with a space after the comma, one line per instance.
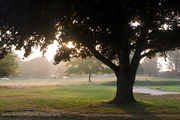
[36, 68]
[173, 62]
[101, 28]
[90, 23]
[87, 66]
[8, 66]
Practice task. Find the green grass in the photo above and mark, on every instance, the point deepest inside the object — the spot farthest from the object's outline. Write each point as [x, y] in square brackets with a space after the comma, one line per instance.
[165, 84]
[85, 101]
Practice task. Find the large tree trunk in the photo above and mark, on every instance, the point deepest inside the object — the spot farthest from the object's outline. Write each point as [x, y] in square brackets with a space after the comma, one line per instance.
[125, 79]
[124, 91]
[125, 73]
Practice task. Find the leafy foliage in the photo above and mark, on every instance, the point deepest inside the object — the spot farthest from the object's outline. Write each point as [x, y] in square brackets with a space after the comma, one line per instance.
[8, 66]
[86, 66]
[35, 68]
[88, 24]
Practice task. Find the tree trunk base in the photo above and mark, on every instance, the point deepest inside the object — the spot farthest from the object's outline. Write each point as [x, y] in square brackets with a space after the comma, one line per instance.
[116, 101]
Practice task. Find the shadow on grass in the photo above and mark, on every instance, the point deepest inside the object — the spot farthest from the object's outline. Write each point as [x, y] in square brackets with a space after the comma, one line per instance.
[133, 111]
[138, 111]
[98, 111]
[107, 111]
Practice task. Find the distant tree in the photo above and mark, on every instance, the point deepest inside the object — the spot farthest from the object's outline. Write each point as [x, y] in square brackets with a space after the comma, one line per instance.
[24, 69]
[140, 69]
[87, 66]
[40, 67]
[8, 66]
[173, 62]
[35, 68]
[61, 68]
[150, 67]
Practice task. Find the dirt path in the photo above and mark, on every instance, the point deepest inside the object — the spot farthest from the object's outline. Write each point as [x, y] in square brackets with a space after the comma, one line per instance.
[150, 91]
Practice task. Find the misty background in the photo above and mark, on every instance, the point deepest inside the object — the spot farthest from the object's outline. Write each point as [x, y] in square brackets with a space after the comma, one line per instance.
[43, 68]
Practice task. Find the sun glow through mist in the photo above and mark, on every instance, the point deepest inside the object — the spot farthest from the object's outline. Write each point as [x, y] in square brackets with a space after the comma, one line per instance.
[70, 45]
[51, 51]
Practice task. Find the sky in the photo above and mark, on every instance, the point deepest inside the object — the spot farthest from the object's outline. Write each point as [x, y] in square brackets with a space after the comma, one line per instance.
[51, 51]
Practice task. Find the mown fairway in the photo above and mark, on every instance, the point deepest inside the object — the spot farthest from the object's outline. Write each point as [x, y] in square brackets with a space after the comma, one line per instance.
[59, 99]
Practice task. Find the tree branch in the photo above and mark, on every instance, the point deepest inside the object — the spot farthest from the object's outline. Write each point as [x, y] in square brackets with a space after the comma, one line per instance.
[155, 51]
[141, 40]
[103, 59]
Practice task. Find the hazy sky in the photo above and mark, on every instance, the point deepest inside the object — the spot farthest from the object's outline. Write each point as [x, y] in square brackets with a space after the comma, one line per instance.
[52, 51]
[37, 53]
